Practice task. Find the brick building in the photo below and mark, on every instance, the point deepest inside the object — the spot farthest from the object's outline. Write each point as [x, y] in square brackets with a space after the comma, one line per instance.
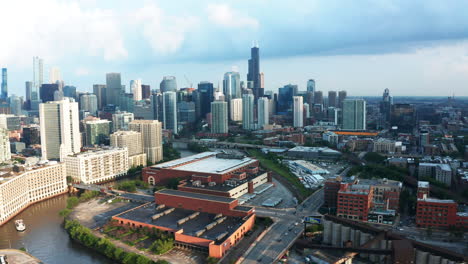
[354, 201]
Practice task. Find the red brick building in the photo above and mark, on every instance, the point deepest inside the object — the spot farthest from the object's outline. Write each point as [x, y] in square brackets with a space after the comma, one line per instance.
[332, 186]
[354, 201]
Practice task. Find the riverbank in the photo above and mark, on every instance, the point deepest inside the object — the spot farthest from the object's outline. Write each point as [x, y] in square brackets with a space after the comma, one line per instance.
[19, 257]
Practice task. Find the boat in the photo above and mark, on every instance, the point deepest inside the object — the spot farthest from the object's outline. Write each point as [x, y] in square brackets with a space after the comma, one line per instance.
[20, 226]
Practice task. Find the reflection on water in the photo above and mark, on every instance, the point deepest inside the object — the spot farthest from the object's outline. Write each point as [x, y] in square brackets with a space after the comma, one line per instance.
[44, 236]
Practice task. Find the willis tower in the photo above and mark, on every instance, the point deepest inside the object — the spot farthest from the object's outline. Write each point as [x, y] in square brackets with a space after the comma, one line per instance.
[254, 72]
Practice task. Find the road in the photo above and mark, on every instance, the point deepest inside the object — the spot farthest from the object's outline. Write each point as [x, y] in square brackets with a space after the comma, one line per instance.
[283, 232]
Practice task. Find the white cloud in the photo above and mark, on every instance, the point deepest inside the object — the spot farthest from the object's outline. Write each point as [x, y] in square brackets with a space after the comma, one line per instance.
[81, 71]
[224, 15]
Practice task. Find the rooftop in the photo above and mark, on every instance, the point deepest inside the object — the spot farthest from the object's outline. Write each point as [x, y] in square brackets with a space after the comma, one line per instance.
[199, 196]
[432, 200]
[423, 184]
[223, 187]
[314, 149]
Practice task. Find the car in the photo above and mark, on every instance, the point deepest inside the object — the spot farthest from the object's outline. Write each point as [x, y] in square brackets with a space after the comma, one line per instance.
[279, 239]
[296, 223]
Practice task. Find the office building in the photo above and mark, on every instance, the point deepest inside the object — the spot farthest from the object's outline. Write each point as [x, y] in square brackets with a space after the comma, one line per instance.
[168, 84]
[100, 91]
[133, 141]
[135, 88]
[170, 111]
[60, 132]
[186, 112]
[236, 109]
[285, 98]
[354, 114]
[97, 166]
[31, 135]
[231, 85]
[248, 111]
[219, 117]
[206, 96]
[298, 111]
[332, 99]
[403, 117]
[16, 105]
[114, 88]
[151, 132]
[54, 75]
[318, 97]
[97, 132]
[121, 120]
[28, 91]
[4, 94]
[47, 92]
[341, 98]
[69, 91]
[38, 77]
[30, 185]
[89, 103]
[263, 112]
[145, 91]
[311, 86]
[5, 152]
[254, 72]
[157, 106]
[306, 110]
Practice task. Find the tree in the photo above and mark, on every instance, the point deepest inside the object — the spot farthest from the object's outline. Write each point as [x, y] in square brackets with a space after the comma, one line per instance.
[374, 157]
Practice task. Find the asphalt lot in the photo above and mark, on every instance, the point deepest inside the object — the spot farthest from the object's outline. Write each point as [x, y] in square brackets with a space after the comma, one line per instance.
[279, 190]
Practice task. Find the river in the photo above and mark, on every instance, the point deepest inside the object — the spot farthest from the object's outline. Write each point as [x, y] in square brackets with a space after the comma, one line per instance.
[45, 237]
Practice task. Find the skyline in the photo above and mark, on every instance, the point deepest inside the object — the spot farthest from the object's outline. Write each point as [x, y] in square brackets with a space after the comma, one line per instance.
[423, 49]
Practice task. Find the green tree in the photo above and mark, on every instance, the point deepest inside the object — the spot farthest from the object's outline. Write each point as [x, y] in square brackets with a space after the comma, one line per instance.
[72, 202]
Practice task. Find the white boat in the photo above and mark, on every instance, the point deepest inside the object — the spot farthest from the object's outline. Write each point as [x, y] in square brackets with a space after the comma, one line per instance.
[20, 226]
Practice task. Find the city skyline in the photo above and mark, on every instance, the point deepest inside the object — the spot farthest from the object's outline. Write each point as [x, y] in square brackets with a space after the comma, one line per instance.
[409, 56]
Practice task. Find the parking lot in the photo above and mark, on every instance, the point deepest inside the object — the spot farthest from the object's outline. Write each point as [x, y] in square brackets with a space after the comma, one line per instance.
[278, 191]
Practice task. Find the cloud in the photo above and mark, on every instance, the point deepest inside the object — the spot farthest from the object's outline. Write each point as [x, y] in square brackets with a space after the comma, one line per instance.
[224, 15]
[81, 71]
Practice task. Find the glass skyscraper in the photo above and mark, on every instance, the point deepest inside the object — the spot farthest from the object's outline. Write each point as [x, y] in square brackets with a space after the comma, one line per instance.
[231, 85]
[170, 111]
[168, 84]
[4, 95]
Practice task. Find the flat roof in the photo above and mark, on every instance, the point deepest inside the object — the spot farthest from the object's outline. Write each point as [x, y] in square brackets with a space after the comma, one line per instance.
[432, 200]
[176, 162]
[215, 165]
[423, 184]
[223, 187]
[314, 149]
[199, 196]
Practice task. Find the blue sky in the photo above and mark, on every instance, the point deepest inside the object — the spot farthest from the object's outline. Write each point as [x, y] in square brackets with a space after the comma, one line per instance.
[411, 47]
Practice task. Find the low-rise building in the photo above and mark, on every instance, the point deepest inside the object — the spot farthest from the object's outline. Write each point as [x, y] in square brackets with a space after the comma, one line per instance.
[309, 153]
[354, 201]
[383, 145]
[440, 171]
[330, 137]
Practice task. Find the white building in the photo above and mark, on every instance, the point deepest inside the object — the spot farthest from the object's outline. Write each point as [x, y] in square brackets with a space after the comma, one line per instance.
[133, 141]
[54, 75]
[219, 117]
[120, 120]
[236, 109]
[298, 111]
[151, 132]
[19, 190]
[60, 131]
[330, 137]
[5, 152]
[384, 145]
[248, 111]
[231, 85]
[443, 173]
[89, 103]
[263, 112]
[307, 110]
[135, 88]
[97, 166]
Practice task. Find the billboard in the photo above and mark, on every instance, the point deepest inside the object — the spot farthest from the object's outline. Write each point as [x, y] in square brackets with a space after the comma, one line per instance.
[313, 220]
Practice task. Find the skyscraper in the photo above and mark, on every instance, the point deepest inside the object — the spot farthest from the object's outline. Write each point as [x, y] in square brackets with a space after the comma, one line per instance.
[248, 111]
[236, 109]
[298, 111]
[341, 98]
[97, 132]
[69, 91]
[145, 91]
[332, 98]
[60, 129]
[88, 103]
[47, 91]
[15, 105]
[121, 120]
[206, 96]
[113, 88]
[151, 133]
[54, 75]
[100, 91]
[133, 141]
[254, 72]
[135, 88]
[168, 84]
[28, 88]
[5, 153]
[219, 117]
[231, 85]
[170, 111]
[4, 94]
[263, 112]
[38, 77]
[285, 97]
[311, 85]
[186, 112]
[318, 97]
[354, 114]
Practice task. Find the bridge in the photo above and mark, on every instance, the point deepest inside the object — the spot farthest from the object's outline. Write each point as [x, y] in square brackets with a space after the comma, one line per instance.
[222, 144]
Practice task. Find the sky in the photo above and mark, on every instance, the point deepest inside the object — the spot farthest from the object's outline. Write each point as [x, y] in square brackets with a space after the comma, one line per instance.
[361, 46]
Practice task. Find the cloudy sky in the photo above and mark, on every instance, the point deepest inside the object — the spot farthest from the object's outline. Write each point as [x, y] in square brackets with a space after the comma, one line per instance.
[411, 47]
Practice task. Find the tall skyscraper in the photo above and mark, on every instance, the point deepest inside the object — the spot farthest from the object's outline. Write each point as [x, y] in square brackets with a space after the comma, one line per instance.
[236, 109]
[186, 112]
[386, 105]
[354, 114]
[263, 112]
[38, 77]
[318, 97]
[285, 97]
[47, 92]
[168, 84]
[219, 117]
[341, 98]
[133, 141]
[254, 72]
[248, 111]
[151, 133]
[311, 85]
[60, 129]
[135, 88]
[28, 91]
[100, 91]
[306, 110]
[69, 91]
[145, 91]
[170, 111]
[113, 88]
[298, 111]
[332, 98]
[206, 96]
[231, 85]
[54, 75]
[88, 103]
[5, 151]
[4, 94]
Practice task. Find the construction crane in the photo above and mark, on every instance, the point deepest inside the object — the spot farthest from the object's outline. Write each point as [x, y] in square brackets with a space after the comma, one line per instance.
[188, 81]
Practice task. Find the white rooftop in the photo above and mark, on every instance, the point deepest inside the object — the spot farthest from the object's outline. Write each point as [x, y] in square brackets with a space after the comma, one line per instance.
[432, 200]
[423, 184]
[314, 149]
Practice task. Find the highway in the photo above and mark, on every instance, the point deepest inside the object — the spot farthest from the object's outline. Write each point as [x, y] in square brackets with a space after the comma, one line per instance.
[284, 230]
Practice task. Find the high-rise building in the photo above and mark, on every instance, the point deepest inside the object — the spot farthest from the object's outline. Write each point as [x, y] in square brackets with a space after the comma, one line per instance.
[157, 105]
[332, 99]
[100, 91]
[263, 112]
[28, 91]
[354, 114]
[135, 88]
[113, 88]
[5, 153]
[186, 112]
[60, 129]
[403, 116]
[121, 120]
[262, 82]
[206, 96]
[341, 98]
[248, 111]
[311, 85]
[16, 104]
[298, 111]
[31, 135]
[88, 103]
[254, 72]
[306, 110]
[386, 105]
[231, 85]
[168, 84]
[97, 132]
[69, 91]
[318, 97]
[170, 111]
[47, 92]
[145, 91]
[38, 77]
[151, 132]
[4, 94]
[54, 75]
[133, 141]
[219, 117]
[236, 109]
[285, 97]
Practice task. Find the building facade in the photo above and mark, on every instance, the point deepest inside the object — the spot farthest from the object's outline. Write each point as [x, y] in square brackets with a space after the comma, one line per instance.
[151, 132]
[121, 120]
[219, 117]
[263, 112]
[298, 111]
[170, 111]
[354, 114]
[236, 109]
[133, 141]
[248, 111]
